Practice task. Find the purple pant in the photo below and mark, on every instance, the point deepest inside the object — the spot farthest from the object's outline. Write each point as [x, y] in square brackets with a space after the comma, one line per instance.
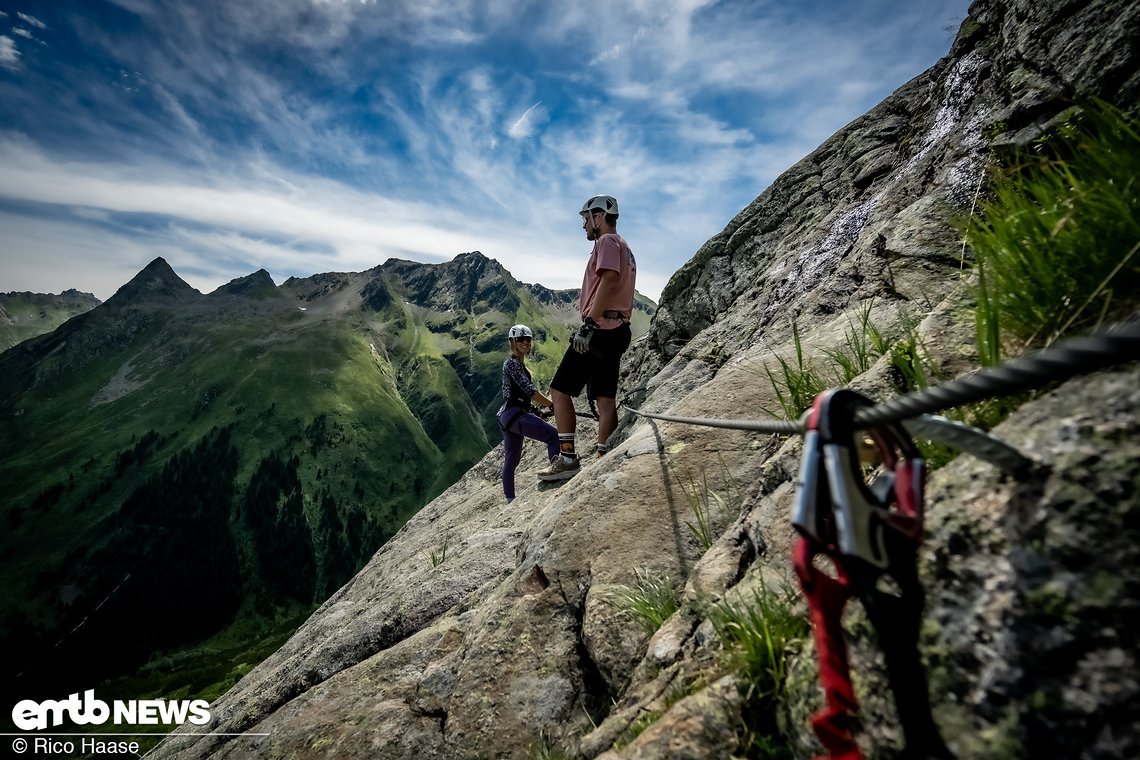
[515, 424]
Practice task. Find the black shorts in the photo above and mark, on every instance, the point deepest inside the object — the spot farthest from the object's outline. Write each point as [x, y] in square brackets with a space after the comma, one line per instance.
[599, 367]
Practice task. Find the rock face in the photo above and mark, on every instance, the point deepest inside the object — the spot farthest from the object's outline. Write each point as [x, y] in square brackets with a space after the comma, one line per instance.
[513, 646]
[469, 282]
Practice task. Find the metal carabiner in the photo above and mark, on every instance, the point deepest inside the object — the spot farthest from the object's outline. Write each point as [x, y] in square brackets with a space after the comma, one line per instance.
[866, 514]
[868, 531]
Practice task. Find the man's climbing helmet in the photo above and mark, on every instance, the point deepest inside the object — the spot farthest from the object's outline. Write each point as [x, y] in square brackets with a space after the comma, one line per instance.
[520, 331]
[605, 203]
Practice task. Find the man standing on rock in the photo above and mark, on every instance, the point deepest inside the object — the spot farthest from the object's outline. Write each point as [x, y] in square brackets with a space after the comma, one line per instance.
[596, 348]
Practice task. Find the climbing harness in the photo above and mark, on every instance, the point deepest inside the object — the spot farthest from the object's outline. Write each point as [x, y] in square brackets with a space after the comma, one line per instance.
[869, 533]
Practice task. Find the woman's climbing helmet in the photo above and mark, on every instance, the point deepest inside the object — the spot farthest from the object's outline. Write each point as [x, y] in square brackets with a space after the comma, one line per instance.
[520, 331]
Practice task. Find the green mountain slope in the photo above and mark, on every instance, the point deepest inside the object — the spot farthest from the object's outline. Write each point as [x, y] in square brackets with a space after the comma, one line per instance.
[191, 472]
[26, 315]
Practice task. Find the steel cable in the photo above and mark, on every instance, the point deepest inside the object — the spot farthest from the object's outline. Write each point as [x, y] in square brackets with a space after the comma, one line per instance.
[1077, 356]
[779, 427]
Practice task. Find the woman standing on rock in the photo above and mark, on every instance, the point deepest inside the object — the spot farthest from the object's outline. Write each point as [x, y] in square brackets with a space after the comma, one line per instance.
[516, 417]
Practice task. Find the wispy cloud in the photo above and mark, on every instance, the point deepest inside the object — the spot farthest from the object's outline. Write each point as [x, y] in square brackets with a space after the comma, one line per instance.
[31, 20]
[9, 54]
[303, 136]
[526, 124]
[252, 219]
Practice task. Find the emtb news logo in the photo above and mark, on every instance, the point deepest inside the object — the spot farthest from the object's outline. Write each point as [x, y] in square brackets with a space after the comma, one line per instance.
[29, 715]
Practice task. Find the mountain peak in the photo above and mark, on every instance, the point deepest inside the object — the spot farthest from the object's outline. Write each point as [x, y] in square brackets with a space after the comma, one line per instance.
[476, 261]
[469, 281]
[258, 284]
[473, 256]
[156, 281]
[159, 267]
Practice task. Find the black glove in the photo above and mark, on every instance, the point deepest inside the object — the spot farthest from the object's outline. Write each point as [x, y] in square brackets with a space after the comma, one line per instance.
[581, 338]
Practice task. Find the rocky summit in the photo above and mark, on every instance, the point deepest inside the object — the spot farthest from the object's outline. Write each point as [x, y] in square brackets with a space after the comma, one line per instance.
[488, 630]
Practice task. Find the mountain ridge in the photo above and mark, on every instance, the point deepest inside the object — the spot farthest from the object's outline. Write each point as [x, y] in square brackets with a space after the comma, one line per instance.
[25, 315]
[158, 280]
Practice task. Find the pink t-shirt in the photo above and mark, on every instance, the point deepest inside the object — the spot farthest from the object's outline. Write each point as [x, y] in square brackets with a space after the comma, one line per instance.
[610, 252]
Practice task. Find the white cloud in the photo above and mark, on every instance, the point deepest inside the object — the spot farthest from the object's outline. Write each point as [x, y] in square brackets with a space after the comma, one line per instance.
[32, 20]
[9, 54]
[525, 125]
[701, 129]
[663, 97]
[294, 227]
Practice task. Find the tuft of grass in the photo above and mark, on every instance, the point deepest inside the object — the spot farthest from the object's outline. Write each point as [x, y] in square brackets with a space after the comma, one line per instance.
[649, 602]
[910, 356]
[546, 749]
[797, 384]
[439, 555]
[702, 529]
[707, 505]
[1056, 242]
[864, 343]
[757, 634]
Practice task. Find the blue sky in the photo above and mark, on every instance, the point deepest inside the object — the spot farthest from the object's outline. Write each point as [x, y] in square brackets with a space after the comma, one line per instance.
[305, 136]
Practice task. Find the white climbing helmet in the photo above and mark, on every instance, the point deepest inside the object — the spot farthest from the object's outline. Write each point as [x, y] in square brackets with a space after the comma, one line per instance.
[606, 203]
[520, 331]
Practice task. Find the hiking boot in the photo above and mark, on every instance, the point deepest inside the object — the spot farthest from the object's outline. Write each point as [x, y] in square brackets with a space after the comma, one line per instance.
[560, 468]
